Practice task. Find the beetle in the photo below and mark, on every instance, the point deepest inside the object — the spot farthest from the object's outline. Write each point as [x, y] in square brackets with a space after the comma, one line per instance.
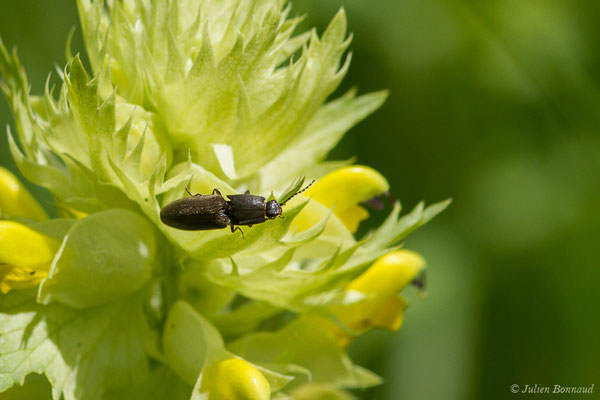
[206, 212]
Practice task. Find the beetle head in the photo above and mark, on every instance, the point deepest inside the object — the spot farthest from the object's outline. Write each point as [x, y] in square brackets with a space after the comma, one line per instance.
[273, 209]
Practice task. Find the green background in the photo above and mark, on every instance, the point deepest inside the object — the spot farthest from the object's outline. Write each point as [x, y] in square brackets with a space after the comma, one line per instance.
[497, 105]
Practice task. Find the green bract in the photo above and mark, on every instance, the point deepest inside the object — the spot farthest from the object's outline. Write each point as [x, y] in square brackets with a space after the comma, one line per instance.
[214, 94]
[104, 256]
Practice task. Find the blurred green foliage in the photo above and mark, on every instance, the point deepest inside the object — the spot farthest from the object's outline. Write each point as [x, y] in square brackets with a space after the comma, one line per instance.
[493, 103]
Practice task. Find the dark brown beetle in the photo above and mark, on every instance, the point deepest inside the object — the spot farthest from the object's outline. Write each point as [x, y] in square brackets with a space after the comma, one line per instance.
[206, 212]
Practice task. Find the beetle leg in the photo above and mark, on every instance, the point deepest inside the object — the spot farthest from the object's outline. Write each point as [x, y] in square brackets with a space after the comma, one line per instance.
[192, 195]
[237, 228]
[216, 191]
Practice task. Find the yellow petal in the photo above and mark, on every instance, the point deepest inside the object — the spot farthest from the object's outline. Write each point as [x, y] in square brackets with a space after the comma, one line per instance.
[25, 256]
[352, 216]
[375, 312]
[389, 274]
[16, 201]
[383, 308]
[24, 247]
[345, 188]
[236, 379]
[13, 277]
[389, 313]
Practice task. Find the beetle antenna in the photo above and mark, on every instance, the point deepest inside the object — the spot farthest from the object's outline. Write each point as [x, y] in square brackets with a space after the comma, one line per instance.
[298, 192]
[189, 184]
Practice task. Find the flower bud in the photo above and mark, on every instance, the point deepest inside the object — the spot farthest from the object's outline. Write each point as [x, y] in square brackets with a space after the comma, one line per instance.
[236, 379]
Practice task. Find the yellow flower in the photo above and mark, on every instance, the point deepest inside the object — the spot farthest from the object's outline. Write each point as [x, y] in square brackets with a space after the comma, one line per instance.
[16, 201]
[236, 379]
[382, 307]
[25, 256]
[342, 190]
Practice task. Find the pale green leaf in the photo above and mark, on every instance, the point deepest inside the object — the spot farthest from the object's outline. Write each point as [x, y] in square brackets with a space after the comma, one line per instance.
[394, 229]
[291, 285]
[83, 353]
[188, 341]
[224, 154]
[244, 318]
[160, 384]
[322, 133]
[303, 342]
[191, 344]
[320, 391]
[295, 239]
[36, 387]
[292, 189]
[103, 257]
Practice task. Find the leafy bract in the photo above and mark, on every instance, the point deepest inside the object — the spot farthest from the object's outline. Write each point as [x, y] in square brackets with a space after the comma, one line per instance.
[295, 282]
[284, 283]
[294, 187]
[160, 384]
[84, 354]
[88, 149]
[56, 228]
[394, 229]
[105, 256]
[244, 318]
[220, 78]
[192, 345]
[36, 387]
[323, 132]
[304, 343]
[190, 341]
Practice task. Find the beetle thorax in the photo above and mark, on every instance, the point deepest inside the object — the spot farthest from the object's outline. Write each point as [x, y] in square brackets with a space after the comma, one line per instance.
[273, 209]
